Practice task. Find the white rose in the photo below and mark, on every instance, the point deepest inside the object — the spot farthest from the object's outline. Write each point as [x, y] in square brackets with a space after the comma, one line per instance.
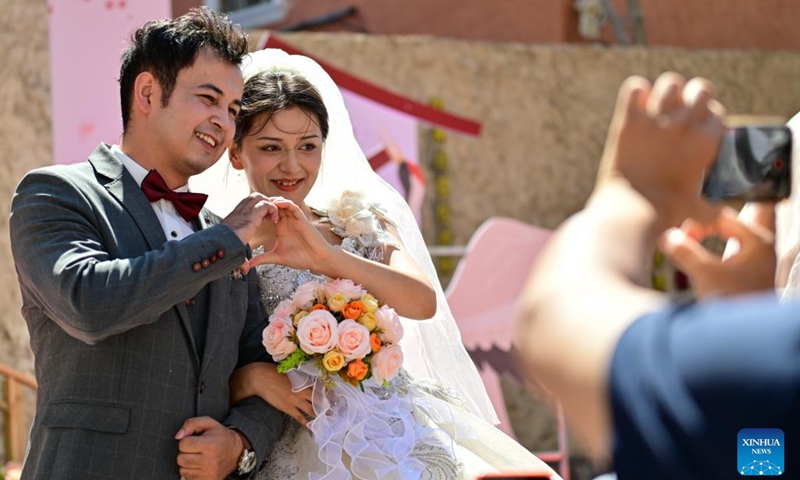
[336, 217]
[360, 225]
[342, 209]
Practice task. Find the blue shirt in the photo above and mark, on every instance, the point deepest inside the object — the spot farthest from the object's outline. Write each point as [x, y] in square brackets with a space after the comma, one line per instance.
[684, 381]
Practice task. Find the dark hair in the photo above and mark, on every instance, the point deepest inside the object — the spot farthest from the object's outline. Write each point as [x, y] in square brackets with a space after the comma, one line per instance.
[268, 93]
[165, 47]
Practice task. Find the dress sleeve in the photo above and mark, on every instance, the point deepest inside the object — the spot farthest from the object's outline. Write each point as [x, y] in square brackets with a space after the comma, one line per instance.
[684, 381]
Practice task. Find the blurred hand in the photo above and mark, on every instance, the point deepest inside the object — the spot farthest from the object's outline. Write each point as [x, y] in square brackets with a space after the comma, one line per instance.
[207, 450]
[662, 140]
[749, 267]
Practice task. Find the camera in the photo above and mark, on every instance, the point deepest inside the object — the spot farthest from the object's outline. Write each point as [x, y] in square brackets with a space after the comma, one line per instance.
[754, 163]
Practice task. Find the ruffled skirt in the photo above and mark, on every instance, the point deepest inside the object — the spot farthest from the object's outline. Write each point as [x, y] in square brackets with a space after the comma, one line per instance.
[412, 430]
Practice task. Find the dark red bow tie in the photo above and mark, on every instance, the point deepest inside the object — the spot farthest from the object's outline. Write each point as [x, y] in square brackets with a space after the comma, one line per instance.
[187, 204]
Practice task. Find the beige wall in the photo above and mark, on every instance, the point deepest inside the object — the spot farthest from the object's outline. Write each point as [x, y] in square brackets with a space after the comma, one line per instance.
[544, 109]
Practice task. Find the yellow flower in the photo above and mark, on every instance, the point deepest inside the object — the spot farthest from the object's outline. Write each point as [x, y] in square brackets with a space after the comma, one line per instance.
[370, 303]
[333, 361]
[368, 320]
[300, 314]
[337, 301]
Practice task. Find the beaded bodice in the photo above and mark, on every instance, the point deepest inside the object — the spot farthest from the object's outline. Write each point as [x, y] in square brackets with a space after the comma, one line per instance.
[277, 282]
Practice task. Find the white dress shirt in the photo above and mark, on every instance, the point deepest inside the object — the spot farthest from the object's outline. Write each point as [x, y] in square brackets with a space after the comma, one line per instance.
[175, 227]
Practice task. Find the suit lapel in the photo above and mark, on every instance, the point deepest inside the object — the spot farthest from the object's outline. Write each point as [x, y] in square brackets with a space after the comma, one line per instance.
[121, 185]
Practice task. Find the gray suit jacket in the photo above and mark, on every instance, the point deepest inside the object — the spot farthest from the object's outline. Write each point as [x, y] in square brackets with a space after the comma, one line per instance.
[103, 296]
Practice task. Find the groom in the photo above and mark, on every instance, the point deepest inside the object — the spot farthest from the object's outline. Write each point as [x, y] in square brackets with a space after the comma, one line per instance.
[135, 307]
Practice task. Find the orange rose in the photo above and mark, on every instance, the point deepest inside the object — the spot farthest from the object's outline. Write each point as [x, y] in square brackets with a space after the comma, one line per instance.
[319, 306]
[357, 369]
[375, 342]
[353, 310]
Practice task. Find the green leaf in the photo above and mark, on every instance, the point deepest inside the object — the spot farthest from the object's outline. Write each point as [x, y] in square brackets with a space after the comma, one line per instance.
[293, 361]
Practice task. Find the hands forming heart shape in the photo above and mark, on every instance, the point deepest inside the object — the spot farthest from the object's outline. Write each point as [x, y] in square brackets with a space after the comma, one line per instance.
[297, 242]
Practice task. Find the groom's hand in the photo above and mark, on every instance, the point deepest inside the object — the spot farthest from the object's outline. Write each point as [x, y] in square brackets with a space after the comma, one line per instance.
[298, 243]
[245, 219]
[207, 450]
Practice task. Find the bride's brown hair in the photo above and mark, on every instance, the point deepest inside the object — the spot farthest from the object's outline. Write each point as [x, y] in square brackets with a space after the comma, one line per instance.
[268, 93]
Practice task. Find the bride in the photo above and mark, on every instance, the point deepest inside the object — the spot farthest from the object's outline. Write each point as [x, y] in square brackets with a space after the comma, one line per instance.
[433, 420]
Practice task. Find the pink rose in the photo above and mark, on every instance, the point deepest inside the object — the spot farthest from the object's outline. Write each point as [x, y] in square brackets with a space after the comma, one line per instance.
[345, 287]
[316, 332]
[306, 295]
[276, 338]
[389, 323]
[353, 340]
[285, 309]
[386, 363]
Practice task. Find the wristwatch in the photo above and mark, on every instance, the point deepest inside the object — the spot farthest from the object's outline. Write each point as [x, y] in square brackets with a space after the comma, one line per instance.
[247, 460]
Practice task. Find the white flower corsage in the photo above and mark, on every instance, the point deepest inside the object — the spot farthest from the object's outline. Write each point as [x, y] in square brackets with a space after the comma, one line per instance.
[352, 217]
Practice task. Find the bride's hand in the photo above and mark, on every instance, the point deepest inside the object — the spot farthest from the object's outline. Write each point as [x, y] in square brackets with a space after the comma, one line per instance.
[298, 243]
[263, 380]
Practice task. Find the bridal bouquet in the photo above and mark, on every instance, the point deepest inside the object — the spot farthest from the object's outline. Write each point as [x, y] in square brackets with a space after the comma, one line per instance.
[339, 328]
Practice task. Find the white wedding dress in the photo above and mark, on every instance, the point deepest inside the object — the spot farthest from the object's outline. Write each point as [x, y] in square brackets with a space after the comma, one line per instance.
[412, 429]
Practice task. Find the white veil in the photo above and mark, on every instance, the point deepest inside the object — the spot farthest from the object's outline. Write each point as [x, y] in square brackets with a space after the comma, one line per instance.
[787, 235]
[432, 349]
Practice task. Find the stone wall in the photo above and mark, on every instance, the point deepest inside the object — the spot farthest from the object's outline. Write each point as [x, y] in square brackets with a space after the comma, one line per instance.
[25, 143]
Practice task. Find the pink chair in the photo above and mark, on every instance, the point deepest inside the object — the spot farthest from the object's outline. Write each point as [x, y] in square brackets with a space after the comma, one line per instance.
[483, 294]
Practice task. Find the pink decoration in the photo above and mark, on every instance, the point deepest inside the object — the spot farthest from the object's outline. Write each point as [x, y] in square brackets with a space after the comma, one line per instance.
[85, 47]
[85, 129]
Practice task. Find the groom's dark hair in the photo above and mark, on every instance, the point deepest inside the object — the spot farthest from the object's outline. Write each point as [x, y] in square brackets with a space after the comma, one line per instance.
[165, 47]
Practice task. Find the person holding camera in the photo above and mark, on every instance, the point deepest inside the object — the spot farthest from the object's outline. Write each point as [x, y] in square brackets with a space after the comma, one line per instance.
[664, 391]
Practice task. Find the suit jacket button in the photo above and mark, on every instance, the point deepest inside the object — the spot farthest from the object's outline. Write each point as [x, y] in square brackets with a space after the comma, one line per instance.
[206, 263]
[196, 267]
[221, 253]
[188, 302]
[202, 388]
[214, 258]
